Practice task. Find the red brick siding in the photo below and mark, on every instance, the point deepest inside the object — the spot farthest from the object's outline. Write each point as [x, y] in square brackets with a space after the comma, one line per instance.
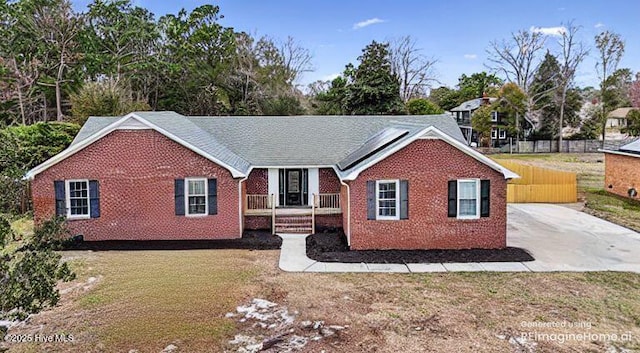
[622, 173]
[428, 165]
[258, 182]
[329, 182]
[136, 170]
[264, 222]
[257, 222]
[329, 221]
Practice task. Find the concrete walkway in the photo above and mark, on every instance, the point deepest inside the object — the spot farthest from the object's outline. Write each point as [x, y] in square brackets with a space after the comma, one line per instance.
[559, 238]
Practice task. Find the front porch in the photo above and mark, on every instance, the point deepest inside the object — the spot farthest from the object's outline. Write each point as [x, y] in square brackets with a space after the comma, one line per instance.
[265, 205]
[324, 208]
[293, 219]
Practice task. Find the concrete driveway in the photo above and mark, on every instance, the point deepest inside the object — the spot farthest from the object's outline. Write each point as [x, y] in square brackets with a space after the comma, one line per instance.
[563, 239]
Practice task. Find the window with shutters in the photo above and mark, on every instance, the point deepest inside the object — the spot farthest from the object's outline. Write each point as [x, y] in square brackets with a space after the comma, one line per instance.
[387, 200]
[77, 194]
[196, 196]
[468, 199]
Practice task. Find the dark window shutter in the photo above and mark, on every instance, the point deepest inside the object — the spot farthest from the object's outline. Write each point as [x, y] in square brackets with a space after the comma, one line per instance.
[213, 196]
[371, 199]
[485, 199]
[94, 198]
[404, 199]
[453, 198]
[179, 196]
[61, 203]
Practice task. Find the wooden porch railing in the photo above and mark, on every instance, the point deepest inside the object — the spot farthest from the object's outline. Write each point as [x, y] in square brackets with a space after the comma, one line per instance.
[328, 201]
[267, 202]
[259, 202]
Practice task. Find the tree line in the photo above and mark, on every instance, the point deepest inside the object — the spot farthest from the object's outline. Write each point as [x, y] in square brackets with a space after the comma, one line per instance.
[58, 64]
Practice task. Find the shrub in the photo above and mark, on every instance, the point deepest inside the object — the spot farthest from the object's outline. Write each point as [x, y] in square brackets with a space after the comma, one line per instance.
[28, 275]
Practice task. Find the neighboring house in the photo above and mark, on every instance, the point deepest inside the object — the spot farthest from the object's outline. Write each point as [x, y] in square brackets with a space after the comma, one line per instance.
[499, 135]
[617, 119]
[463, 114]
[390, 182]
[622, 170]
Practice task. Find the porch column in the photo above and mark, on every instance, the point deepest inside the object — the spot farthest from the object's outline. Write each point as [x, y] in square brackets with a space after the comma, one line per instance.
[314, 184]
[274, 188]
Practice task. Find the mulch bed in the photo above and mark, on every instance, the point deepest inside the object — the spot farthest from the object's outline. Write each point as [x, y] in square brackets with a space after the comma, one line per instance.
[251, 240]
[332, 247]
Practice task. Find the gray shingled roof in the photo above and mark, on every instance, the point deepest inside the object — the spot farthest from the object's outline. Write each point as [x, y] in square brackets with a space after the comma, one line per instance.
[281, 141]
[633, 147]
[471, 105]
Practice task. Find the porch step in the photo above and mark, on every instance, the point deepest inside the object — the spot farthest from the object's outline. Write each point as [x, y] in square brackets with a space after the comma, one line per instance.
[293, 224]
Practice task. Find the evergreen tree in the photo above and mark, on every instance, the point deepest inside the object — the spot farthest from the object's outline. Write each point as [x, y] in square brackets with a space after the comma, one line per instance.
[374, 89]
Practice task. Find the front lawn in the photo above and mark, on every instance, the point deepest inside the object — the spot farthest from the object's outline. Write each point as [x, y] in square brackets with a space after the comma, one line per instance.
[147, 300]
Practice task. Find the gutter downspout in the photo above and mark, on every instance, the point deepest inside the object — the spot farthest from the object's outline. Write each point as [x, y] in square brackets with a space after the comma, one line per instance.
[348, 230]
[240, 215]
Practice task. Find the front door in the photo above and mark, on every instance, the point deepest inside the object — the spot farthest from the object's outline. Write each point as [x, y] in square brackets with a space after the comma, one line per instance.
[293, 187]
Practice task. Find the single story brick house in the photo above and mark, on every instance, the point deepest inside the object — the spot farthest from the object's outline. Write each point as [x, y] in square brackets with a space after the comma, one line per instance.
[389, 182]
[622, 170]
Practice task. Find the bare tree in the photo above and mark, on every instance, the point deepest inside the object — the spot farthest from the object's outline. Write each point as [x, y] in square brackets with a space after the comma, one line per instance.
[572, 54]
[297, 59]
[415, 71]
[58, 27]
[518, 59]
[610, 50]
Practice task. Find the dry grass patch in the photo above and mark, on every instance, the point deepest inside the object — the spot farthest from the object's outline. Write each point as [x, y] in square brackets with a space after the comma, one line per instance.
[146, 300]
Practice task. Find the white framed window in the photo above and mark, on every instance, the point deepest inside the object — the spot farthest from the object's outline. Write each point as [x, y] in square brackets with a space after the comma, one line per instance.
[494, 116]
[502, 134]
[196, 203]
[387, 199]
[494, 134]
[77, 194]
[468, 198]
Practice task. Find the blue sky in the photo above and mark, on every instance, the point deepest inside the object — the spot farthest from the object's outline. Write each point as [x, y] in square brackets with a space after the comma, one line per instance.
[456, 33]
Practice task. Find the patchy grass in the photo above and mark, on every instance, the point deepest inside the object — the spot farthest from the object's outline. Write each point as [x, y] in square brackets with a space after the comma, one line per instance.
[613, 208]
[146, 300]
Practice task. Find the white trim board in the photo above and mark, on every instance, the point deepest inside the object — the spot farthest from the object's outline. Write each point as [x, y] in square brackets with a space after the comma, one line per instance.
[432, 132]
[621, 153]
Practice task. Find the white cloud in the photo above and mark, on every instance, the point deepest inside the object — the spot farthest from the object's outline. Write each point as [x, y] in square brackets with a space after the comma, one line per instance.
[330, 77]
[549, 31]
[599, 24]
[471, 56]
[369, 22]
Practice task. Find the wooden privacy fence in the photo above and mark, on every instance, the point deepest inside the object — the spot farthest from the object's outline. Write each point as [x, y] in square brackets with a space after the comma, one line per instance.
[540, 184]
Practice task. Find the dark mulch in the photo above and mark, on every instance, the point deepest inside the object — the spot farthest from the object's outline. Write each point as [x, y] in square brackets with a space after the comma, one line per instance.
[252, 240]
[332, 247]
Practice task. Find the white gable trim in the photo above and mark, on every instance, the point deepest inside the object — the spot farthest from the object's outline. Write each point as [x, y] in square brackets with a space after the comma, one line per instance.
[621, 153]
[428, 133]
[130, 119]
